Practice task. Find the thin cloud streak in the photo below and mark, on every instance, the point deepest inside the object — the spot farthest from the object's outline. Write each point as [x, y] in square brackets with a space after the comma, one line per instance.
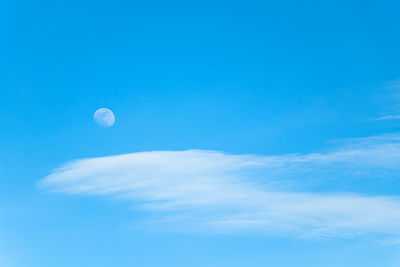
[219, 192]
[389, 117]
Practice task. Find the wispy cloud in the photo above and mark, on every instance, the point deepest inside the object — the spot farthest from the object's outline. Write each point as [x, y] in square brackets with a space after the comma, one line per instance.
[395, 84]
[216, 191]
[389, 117]
[388, 99]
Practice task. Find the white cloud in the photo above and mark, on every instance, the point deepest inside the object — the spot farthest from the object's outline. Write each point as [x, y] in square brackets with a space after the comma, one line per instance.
[389, 117]
[215, 191]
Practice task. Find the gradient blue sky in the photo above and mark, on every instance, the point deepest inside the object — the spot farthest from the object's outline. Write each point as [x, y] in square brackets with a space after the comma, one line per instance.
[310, 86]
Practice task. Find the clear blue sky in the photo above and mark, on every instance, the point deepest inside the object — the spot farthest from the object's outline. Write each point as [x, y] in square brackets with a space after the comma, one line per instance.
[300, 99]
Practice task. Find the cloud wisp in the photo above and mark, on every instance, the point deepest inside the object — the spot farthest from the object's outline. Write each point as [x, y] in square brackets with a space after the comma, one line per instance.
[389, 117]
[219, 192]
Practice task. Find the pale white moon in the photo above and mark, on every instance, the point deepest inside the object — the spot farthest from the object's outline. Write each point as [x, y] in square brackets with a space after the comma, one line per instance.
[104, 117]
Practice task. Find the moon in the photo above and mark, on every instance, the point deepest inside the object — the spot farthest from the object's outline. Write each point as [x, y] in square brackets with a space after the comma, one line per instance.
[104, 117]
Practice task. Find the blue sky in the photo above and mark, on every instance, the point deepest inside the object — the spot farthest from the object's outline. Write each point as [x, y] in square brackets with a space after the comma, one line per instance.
[246, 134]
